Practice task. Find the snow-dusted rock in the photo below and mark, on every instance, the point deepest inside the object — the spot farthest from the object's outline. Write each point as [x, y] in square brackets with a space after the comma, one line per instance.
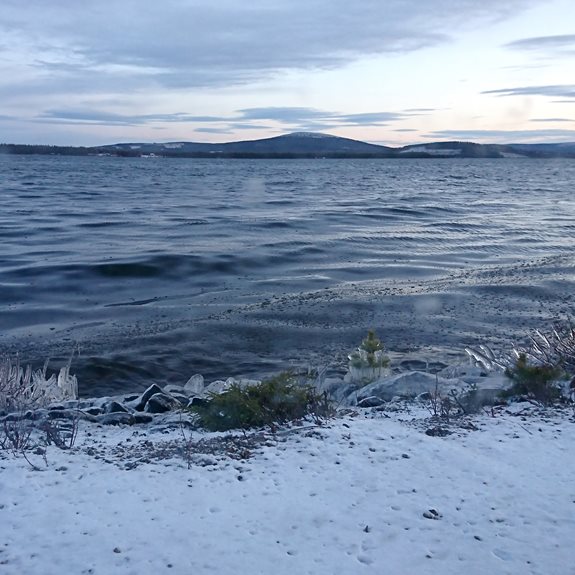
[140, 403]
[115, 407]
[371, 401]
[173, 389]
[339, 391]
[409, 384]
[195, 385]
[160, 403]
[219, 385]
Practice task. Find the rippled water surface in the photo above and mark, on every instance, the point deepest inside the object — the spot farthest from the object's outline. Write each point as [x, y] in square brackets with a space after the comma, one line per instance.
[155, 269]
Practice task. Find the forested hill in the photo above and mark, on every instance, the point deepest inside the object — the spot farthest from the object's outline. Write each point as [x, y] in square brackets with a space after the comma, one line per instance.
[304, 145]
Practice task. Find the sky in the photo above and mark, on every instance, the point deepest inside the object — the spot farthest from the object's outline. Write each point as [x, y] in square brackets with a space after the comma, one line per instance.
[391, 72]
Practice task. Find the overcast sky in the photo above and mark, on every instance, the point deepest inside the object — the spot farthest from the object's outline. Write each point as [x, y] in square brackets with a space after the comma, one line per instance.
[386, 71]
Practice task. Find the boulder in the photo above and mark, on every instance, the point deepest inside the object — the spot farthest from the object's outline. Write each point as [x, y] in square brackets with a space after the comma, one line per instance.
[339, 391]
[140, 403]
[371, 401]
[160, 403]
[195, 401]
[409, 384]
[115, 407]
[219, 385]
[173, 389]
[195, 385]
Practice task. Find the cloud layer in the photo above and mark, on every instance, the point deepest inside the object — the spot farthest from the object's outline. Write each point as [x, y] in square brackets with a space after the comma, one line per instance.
[186, 67]
[194, 43]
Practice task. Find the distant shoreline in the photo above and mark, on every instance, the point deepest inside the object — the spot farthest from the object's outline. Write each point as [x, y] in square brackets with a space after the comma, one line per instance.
[301, 146]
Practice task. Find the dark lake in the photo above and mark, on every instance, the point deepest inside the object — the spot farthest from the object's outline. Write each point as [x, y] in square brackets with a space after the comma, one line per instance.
[154, 269]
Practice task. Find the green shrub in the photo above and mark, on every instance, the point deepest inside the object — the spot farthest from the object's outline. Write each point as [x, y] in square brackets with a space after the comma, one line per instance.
[537, 381]
[273, 401]
[370, 353]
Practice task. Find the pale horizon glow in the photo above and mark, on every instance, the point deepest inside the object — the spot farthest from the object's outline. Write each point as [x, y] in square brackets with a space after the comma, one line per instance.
[394, 73]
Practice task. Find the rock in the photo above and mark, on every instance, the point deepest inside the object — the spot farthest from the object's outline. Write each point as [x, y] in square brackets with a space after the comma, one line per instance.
[340, 392]
[422, 365]
[140, 403]
[173, 389]
[143, 418]
[160, 403]
[116, 419]
[115, 407]
[432, 514]
[371, 401]
[409, 384]
[93, 411]
[437, 431]
[218, 386]
[195, 385]
[67, 414]
[195, 401]
[182, 399]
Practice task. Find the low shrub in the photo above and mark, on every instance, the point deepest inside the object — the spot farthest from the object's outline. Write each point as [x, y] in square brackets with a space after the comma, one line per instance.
[274, 401]
[538, 381]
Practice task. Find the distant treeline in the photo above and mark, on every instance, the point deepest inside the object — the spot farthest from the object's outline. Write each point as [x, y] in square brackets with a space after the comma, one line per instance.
[466, 150]
[27, 149]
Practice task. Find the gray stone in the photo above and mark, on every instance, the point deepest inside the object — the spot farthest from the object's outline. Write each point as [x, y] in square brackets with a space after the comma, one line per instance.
[181, 398]
[173, 389]
[219, 385]
[340, 392]
[116, 419]
[409, 384]
[66, 414]
[115, 407]
[143, 418]
[141, 402]
[195, 401]
[160, 403]
[371, 401]
[94, 411]
[195, 385]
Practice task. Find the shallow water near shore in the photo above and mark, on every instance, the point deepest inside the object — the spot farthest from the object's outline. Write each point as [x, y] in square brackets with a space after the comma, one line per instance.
[155, 269]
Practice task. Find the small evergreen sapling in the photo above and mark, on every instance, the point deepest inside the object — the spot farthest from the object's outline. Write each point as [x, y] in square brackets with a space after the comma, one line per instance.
[368, 361]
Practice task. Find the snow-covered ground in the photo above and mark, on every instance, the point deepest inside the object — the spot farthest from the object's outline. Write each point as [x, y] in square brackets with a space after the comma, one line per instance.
[369, 492]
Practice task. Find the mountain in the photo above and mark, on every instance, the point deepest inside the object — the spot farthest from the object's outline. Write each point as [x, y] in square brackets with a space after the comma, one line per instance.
[306, 145]
[312, 144]
[298, 143]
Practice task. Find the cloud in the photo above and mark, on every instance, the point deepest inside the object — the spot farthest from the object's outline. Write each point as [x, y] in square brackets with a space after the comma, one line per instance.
[557, 91]
[71, 116]
[506, 136]
[556, 45]
[301, 118]
[213, 130]
[551, 120]
[133, 44]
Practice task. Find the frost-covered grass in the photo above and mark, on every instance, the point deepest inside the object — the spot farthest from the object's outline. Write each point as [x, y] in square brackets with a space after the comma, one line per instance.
[22, 388]
[369, 492]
